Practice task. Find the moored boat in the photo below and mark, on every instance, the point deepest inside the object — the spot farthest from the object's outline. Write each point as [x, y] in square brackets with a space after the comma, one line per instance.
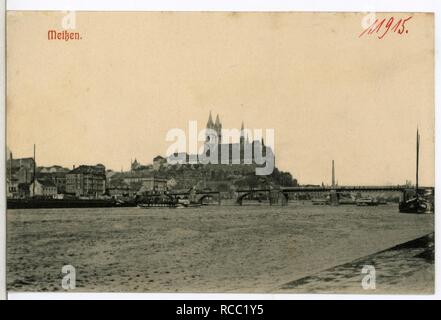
[415, 204]
[156, 205]
[317, 202]
[368, 201]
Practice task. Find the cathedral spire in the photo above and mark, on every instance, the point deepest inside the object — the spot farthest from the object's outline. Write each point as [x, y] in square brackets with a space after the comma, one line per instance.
[242, 133]
[210, 121]
[218, 128]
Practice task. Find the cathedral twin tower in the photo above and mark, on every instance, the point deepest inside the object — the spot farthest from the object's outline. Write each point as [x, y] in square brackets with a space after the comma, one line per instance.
[242, 152]
[216, 127]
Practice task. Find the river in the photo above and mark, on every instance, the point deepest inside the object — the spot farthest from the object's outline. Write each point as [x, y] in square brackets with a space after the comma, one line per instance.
[210, 249]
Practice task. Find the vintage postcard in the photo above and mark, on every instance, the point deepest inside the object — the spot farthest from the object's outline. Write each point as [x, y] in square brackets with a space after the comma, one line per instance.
[220, 152]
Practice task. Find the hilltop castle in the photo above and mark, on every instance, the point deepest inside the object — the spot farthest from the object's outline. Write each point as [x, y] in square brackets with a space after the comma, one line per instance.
[220, 151]
[243, 152]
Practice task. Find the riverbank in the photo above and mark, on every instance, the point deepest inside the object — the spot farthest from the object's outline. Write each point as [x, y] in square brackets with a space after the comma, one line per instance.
[405, 268]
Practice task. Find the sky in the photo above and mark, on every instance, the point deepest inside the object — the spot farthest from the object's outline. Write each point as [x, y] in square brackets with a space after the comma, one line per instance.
[327, 93]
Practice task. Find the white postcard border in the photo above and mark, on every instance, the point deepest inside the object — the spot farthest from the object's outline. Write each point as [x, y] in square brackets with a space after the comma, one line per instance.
[215, 5]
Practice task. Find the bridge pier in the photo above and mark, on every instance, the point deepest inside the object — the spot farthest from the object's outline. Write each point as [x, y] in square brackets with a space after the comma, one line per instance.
[277, 197]
[333, 195]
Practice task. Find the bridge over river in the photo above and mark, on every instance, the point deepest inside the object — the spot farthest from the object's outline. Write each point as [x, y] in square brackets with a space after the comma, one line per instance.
[281, 195]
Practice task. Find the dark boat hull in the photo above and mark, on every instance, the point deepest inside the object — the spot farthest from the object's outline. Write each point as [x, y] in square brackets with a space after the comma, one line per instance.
[418, 207]
[63, 203]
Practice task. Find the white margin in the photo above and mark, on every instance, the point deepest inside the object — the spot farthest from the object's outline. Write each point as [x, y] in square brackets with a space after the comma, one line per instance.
[2, 151]
[225, 5]
[220, 5]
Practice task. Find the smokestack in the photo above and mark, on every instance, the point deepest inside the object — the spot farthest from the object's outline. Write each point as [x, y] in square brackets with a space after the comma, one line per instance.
[333, 174]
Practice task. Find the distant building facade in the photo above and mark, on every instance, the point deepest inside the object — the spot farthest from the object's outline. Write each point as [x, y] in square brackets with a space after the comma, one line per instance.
[158, 162]
[19, 175]
[88, 181]
[22, 169]
[11, 188]
[55, 174]
[121, 191]
[43, 188]
[153, 185]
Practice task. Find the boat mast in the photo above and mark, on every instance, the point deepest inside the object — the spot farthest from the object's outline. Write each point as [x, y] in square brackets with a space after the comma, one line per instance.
[417, 160]
[33, 178]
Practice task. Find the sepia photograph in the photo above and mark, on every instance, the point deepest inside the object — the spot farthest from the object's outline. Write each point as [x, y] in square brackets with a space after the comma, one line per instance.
[220, 152]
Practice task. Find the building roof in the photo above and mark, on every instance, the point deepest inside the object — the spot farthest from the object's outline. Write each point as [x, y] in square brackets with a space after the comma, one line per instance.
[97, 170]
[54, 168]
[157, 158]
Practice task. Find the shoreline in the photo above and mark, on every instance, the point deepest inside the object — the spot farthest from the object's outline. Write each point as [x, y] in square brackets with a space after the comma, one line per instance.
[415, 259]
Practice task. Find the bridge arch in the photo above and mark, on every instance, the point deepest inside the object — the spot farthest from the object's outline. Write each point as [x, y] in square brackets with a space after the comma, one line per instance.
[204, 196]
[270, 193]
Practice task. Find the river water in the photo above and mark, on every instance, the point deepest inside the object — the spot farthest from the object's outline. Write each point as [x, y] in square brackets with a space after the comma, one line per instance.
[209, 249]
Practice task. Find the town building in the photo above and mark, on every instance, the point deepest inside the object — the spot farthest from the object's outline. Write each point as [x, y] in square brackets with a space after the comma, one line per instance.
[158, 162]
[56, 174]
[21, 169]
[121, 191]
[43, 188]
[23, 190]
[19, 174]
[153, 185]
[86, 181]
[133, 178]
[11, 188]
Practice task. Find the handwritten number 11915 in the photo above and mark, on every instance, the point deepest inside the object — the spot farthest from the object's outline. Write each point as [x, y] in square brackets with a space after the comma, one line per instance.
[382, 27]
